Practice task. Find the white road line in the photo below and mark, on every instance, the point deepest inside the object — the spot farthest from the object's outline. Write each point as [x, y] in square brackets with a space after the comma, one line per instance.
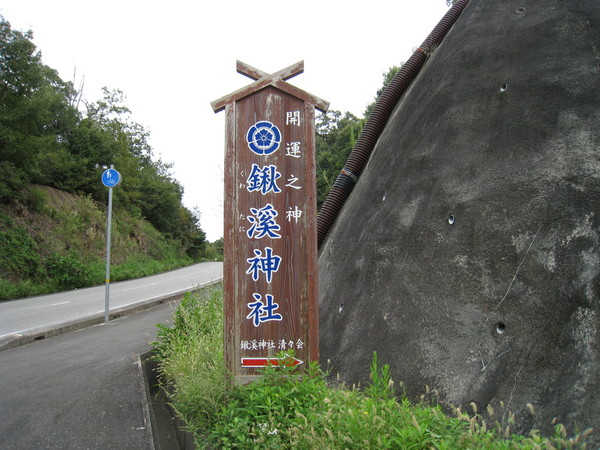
[124, 305]
[139, 287]
[49, 306]
[15, 333]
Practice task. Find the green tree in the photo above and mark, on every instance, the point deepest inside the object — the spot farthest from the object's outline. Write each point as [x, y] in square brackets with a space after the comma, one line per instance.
[336, 136]
[19, 62]
[35, 114]
[148, 187]
[192, 236]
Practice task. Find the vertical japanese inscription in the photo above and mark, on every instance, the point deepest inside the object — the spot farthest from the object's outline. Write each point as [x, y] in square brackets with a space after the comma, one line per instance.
[270, 269]
[274, 169]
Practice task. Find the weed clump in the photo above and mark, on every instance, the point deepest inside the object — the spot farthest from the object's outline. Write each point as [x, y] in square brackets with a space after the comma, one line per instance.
[190, 358]
[67, 272]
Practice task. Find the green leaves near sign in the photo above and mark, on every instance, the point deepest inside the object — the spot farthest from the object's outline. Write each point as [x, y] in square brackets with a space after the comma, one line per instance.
[67, 272]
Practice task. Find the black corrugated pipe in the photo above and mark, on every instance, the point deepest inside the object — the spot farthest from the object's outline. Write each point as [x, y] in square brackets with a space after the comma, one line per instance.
[379, 116]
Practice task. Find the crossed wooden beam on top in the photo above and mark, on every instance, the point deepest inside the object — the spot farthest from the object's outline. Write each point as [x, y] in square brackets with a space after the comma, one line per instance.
[263, 79]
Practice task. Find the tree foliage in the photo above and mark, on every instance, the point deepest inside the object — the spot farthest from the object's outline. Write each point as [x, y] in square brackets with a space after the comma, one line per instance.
[336, 135]
[34, 116]
[45, 139]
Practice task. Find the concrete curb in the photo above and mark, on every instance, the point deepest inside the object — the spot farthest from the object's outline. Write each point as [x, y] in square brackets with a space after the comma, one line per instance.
[146, 400]
[40, 333]
[168, 430]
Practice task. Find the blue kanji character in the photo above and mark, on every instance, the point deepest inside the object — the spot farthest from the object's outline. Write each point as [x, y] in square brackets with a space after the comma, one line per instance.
[263, 179]
[263, 223]
[263, 312]
[267, 264]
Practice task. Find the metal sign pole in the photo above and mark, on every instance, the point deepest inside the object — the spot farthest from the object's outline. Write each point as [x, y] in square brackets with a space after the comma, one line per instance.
[108, 230]
[110, 179]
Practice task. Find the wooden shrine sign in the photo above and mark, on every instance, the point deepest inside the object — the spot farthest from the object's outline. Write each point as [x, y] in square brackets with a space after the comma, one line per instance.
[270, 268]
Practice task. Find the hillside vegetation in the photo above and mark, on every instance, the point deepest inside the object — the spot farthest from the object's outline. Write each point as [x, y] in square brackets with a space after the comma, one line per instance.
[54, 146]
[52, 240]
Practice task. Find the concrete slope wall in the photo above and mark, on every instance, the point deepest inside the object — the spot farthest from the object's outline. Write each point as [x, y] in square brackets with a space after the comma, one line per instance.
[468, 255]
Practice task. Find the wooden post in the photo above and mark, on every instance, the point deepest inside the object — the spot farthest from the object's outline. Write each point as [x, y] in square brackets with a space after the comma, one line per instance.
[270, 269]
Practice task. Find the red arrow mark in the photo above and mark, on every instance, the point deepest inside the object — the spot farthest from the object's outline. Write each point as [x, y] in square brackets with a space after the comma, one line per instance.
[263, 362]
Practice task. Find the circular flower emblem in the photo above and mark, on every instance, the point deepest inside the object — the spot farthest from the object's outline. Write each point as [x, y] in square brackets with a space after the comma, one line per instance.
[263, 138]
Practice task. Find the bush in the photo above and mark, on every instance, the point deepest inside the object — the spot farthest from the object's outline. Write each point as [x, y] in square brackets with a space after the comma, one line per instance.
[213, 251]
[138, 266]
[18, 251]
[11, 290]
[12, 180]
[67, 272]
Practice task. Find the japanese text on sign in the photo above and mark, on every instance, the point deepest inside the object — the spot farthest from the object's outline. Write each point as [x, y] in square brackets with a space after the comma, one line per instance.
[263, 138]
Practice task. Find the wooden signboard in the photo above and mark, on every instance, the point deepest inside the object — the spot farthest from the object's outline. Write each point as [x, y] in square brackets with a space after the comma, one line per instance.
[270, 269]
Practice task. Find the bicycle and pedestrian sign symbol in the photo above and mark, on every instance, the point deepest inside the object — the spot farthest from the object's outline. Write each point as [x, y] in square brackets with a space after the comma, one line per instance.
[111, 178]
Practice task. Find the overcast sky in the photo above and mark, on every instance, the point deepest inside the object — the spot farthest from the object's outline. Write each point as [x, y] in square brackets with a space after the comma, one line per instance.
[171, 59]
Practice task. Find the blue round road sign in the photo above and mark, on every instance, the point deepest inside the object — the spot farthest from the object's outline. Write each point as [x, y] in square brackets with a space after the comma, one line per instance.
[111, 178]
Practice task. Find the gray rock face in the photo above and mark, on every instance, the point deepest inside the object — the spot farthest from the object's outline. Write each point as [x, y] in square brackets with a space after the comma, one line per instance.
[468, 255]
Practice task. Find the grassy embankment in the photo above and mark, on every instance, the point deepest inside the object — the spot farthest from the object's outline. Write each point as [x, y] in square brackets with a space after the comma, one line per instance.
[53, 241]
[289, 409]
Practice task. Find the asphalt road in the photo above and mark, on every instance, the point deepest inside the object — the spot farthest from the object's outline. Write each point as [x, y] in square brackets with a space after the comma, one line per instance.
[84, 389]
[42, 316]
[80, 390]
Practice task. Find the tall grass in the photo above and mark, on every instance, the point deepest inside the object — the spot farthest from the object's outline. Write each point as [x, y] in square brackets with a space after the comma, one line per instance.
[289, 408]
[190, 358]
